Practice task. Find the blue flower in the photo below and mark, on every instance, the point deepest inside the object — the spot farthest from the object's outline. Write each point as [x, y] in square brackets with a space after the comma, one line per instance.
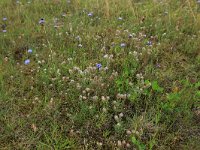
[27, 61]
[149, 43]
[30, 51]
[158, 65]
[98, 66]
[90, 14]
[123, 44]
[42, 21]
[4, 31]
[4, 19]
[78, 38]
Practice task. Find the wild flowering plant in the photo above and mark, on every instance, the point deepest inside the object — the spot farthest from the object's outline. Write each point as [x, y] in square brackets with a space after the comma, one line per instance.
[99, 66]
[41, 21]
[30, 51]
[27, 61]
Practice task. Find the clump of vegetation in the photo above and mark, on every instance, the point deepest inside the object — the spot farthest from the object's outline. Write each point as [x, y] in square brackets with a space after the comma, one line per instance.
[99, 74]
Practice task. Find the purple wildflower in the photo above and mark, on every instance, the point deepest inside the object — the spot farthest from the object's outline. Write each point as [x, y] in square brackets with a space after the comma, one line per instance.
[90, 14]
[149, 43]
[27, 61]
[78, 38]
[158, 65]
[123, 45]
[4, 19]
[98, 66]
[42, 21]
[4, 31]
[30, 51]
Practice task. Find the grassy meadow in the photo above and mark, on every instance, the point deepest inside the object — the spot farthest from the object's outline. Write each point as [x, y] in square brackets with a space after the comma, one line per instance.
[99, 74]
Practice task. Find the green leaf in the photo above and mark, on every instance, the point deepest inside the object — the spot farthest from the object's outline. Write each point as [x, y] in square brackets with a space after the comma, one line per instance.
[156, 87]
[173, 96]
[147, 82]
[133, 96]
[197, 84]
[198, 94]
[140, 145]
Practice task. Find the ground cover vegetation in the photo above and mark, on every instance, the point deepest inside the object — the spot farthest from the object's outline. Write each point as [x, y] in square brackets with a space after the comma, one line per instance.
[99, 74]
